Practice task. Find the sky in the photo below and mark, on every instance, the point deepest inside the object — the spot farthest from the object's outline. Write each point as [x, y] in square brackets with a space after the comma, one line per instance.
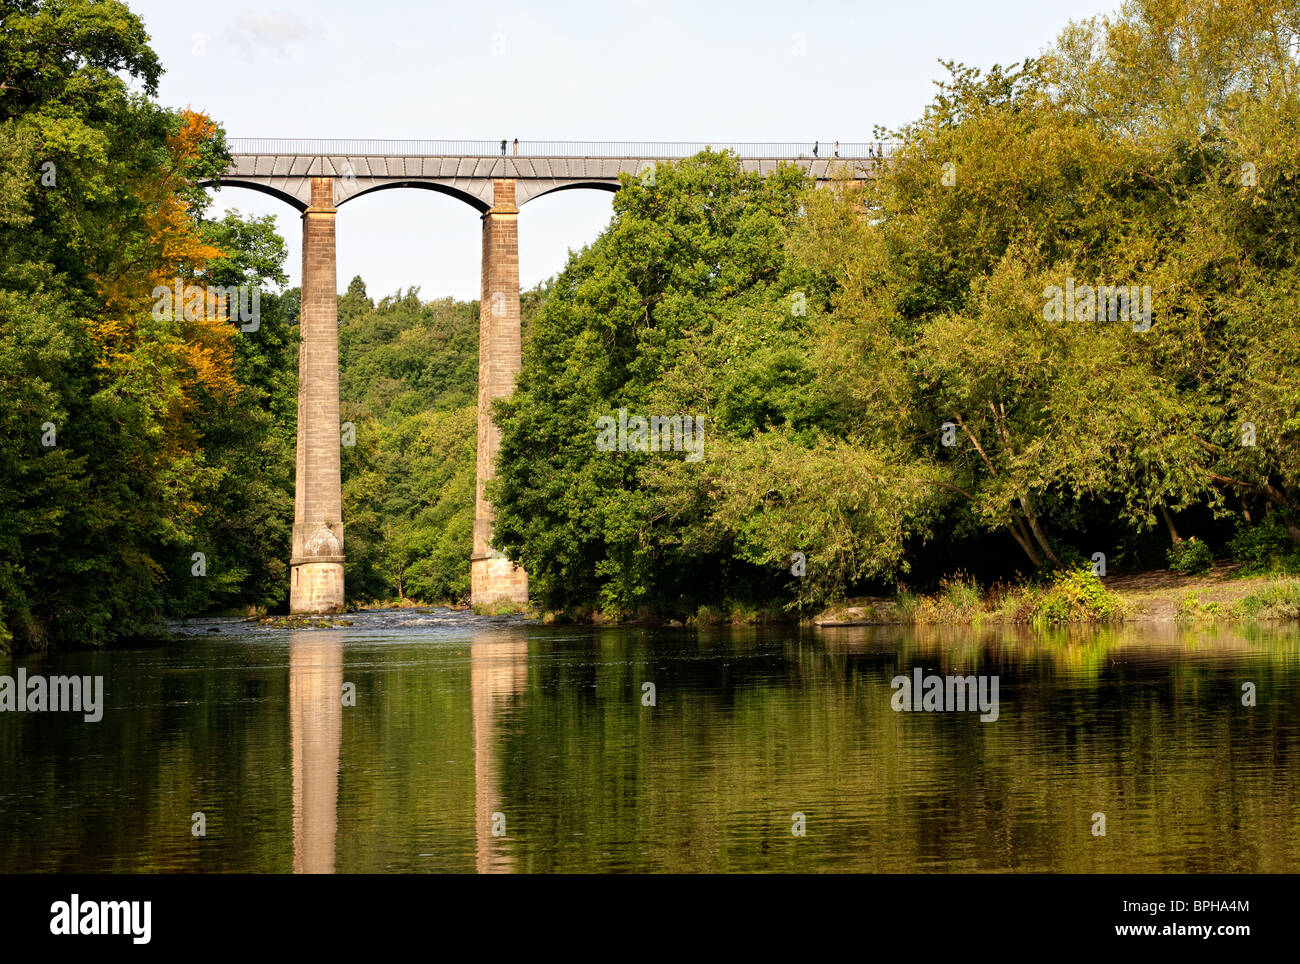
[615, 70]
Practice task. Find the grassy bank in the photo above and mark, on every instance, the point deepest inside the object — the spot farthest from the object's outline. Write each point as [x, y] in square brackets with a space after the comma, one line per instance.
[1225, 592]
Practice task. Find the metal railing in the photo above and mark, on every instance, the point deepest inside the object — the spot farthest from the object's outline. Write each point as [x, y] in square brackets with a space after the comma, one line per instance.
[788, 150]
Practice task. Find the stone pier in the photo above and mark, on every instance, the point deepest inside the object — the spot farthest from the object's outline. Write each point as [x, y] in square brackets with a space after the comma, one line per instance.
[316, 565]
[493, 577]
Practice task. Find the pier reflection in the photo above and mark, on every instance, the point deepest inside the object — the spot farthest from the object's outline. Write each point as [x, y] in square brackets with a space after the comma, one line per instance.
[498, 672]
[316, 731]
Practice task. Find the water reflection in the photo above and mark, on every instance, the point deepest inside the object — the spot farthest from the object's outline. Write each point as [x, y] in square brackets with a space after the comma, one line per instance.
[459, 721]
[498, 672]
[316, 732]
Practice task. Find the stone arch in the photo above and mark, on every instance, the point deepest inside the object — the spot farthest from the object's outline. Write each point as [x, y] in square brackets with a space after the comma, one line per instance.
[478, 204]
[611, 187]
[276, 193]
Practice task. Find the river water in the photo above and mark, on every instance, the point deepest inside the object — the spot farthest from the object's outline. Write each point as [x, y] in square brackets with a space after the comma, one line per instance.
[441, 741]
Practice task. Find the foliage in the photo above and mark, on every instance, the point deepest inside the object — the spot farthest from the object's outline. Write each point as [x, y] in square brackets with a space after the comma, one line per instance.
[408, 383]
[1077, 595]
[926, 390]
[1265, 547]
[1190, 557]
[958, 600]
[130, 438]
[679, 309]
[1280, 600]
[1192, 608]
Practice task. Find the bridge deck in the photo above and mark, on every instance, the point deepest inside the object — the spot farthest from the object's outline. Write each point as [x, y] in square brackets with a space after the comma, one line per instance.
[466, 169]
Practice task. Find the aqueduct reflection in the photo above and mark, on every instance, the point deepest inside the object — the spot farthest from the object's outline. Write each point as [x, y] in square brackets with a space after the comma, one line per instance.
[498, 674]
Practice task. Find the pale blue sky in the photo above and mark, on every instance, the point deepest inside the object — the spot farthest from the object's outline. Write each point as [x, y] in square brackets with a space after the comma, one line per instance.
[621, 70]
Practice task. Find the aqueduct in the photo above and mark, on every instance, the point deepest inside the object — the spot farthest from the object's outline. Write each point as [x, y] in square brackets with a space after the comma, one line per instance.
[496, 179]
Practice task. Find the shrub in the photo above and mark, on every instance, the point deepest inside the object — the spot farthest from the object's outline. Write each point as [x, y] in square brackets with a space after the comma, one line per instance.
[1264, 548]
[1190, 557]
[957, 601]
[908, 603]
[961, 597]
[1194, 609]
[707, 616]
[743, 613]
[1077, 595]
[1012, 604]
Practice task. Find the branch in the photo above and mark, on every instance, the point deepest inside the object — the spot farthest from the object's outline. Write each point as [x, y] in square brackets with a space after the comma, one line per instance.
[978, 448]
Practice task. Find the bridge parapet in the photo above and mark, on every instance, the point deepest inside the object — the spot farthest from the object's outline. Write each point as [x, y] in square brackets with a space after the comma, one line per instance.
[661, 150]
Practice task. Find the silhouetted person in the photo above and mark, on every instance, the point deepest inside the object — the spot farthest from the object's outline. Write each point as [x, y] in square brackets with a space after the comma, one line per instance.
[837, 148]
[516, 145]
[816, 144]
[503, 147]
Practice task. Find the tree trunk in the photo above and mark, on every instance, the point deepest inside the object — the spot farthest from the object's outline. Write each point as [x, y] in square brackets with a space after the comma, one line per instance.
[1017, 529]
[1174, 537]
[1037, 530]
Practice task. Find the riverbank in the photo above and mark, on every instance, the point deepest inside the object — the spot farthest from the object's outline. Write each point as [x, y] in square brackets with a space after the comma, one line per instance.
[1223, 593]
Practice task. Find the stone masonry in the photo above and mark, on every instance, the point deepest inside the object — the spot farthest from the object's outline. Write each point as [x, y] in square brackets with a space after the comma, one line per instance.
[287, 174]
[494, 578]
[316, 565]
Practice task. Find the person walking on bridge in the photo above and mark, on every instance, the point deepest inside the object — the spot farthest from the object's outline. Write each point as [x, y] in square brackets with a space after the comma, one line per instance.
[816, 144]
[503, 147]
[516, 146]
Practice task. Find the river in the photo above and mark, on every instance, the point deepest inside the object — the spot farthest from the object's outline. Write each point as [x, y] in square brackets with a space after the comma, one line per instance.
[441, 741]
